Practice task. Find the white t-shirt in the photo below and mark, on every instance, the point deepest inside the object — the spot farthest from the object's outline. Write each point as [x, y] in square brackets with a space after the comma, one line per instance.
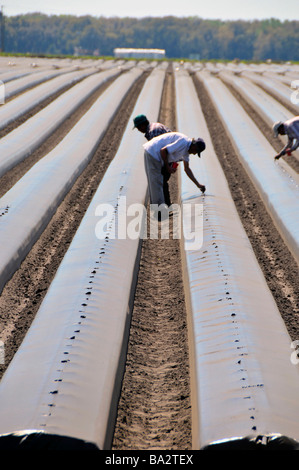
[177, 146]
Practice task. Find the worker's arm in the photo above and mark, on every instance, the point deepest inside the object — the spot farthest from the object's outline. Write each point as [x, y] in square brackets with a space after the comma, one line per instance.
[190, 174]
[286, 149]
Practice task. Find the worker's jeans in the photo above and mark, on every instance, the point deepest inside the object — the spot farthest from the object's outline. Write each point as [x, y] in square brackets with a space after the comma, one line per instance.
[153, 169]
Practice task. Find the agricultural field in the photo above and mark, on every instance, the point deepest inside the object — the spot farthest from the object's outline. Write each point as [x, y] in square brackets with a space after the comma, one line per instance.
[139, 343]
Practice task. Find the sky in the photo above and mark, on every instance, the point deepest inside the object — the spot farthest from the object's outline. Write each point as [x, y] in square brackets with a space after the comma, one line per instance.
[206, 9]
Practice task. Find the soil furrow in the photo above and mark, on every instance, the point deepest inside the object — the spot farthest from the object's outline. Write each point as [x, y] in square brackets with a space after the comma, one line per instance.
[154, 407]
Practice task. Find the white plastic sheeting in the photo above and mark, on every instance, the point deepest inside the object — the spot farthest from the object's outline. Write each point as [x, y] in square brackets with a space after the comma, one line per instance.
[26, 101]
[270, 108]
[274, 86]
[22, 84]
[8, 75]
[278, 190]
[22, 141]
[18, 67]
[287, 78]
[75, 346]
[13, 109]
[244, 386]
[32, 201]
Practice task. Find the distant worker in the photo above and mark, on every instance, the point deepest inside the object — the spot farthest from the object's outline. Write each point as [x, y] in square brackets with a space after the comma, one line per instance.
[291, 129]
[164, 150]
[151, 130]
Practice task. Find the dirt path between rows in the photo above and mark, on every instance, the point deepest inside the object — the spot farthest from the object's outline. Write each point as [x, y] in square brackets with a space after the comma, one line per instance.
[154, 408]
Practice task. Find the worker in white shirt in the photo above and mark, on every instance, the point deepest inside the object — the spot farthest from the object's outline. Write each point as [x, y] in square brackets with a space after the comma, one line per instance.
[290, 128]
[172, 147]
[151, 130]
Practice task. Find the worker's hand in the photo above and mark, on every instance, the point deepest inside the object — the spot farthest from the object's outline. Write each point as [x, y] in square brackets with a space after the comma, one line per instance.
[202, 188]
[170, 169]
[277, 157]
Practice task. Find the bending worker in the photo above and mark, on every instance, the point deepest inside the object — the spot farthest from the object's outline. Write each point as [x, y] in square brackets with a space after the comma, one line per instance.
[291, 129]
[164, 150]
[151, 130]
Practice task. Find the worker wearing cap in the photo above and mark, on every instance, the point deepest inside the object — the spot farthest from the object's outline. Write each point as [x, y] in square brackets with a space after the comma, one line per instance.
[163, 150]
[291, 129]
[151, 130]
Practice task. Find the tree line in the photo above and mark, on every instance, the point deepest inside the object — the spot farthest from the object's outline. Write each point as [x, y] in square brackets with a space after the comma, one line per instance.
[190, 37]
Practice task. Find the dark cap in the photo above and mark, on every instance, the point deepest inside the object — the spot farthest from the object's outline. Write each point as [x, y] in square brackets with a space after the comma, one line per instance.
[200, 145]
[140, 119]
